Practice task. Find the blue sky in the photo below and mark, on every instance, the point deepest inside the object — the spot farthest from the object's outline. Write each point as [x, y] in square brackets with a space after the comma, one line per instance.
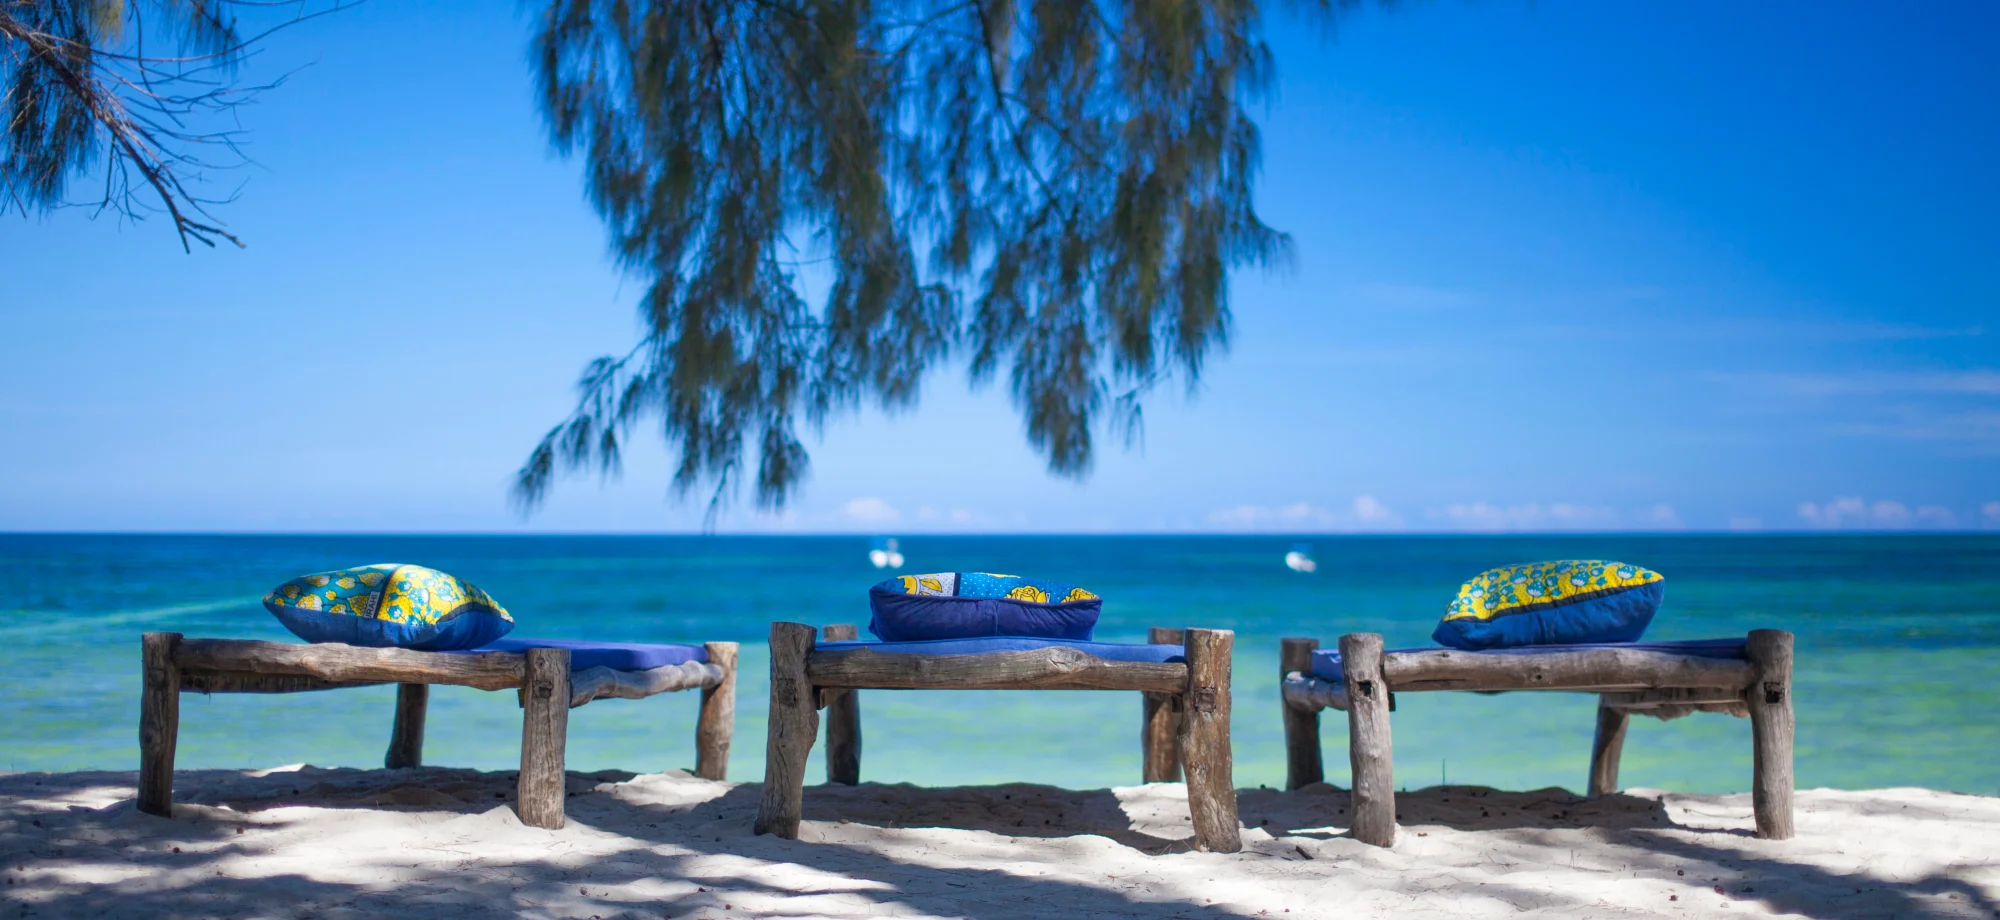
[1560, 266]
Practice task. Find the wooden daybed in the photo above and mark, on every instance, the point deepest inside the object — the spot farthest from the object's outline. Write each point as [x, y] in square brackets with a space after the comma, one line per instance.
[1750, 677]
[1186, 706]
[547, 686]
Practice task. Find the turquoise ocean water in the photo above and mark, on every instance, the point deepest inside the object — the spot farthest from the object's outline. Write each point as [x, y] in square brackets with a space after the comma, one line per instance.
[1898, 681]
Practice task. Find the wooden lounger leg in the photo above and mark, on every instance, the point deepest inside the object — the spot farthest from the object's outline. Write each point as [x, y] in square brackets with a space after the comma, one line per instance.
[843, 720]
[1303, 765]
[159, 722]
[544, 733]
[1771, 729]
[794, 722]
[1606, 748]
[716, 727]
[1159, 733]
[1368, 744]
[406, 741]
[1204, 741]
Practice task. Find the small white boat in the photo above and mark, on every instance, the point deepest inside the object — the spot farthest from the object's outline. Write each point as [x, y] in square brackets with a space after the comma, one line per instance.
[1300, 559]
[885, 556]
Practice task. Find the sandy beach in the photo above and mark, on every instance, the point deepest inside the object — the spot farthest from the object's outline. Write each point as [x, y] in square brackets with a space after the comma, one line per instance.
[304, 842]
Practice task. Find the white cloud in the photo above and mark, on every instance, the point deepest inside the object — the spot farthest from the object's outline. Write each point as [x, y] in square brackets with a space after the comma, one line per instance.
[871, 511]
[1743, 523]
[1411, 296]
[1486, 516]
[1992, 512]
[1850, 512]
[1367, 513]
[1869, 383]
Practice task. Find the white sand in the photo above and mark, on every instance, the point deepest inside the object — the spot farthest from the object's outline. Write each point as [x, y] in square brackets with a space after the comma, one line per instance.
[437, 843]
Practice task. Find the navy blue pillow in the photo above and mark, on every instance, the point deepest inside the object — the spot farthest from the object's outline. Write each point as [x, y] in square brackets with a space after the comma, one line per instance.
[1552, 603]
[971, 605]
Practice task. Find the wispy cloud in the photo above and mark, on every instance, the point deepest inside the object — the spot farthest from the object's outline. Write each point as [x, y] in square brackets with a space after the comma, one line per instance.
[1866, 383]
[1411, 296]
[1489, 517]
[1851, 512]
[1365, 513]
[870, 511]
[1991, 512]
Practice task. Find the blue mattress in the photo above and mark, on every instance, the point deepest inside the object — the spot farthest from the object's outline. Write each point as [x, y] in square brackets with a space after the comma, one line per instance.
[618, 656]
[1326, 662]
[1110, 651]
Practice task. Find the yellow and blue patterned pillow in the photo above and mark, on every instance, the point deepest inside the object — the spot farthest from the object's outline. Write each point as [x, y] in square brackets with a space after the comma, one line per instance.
[969, 605]
[1552, 603]
[404, 606]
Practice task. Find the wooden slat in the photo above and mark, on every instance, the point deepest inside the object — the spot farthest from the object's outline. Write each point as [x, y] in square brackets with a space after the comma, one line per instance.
[606, 683]
[486, 671]
[789, 737]
[1308, 693]
[1635, 700]
[1303, 764]
[843, 720]
[1597, 669]
[1160, 725]
[716, 727]
[253, 682]
[159, 722]
[1053, 668]
[1771, 729]
[1206, 757]
[1369, 749]
[544, 736]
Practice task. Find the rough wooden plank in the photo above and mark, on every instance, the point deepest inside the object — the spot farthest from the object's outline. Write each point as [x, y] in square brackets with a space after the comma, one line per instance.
[1597, 669]
[332, 661]
[1606, 747]
[607, 683]
[1771, 730]
[843, 720]
[159, 722]
[253, 682]
[1303, 691]
[716, 727]
[406, 741]
[794, 722]
[1160, 728]
[1054, 668]
[1368, 742]
[1303, 765]
[544, 733]
[1634, 700]
[1204, 741]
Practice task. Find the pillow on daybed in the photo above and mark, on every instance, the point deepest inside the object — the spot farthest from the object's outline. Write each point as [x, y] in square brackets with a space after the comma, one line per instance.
[968, 605]
[404, 606]
[1552, 603]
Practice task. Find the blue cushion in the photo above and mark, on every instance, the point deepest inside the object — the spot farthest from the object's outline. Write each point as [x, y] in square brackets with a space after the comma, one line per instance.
[1110, 651]
[389, 606]
[1326, 662]
[1552, 603]
[618, 656]
[965, 605]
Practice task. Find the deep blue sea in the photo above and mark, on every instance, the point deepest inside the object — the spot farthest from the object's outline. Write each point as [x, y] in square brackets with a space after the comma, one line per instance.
[1898, 668]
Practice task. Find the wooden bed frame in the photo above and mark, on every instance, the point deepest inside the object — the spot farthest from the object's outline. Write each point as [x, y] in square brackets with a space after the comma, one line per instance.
[1649, 682]
[1186, 712]
[547, 691]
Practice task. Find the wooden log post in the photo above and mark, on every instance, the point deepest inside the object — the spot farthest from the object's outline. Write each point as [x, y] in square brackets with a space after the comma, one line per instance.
[716, 727]
[544, 734]
[1606, 747]
[843, 720]
[1160, 728]
[406, 740]
[1303, 765]
[159, 722]
[1204, 741]
[1771, 730]
[1368, 744]
[794, 723]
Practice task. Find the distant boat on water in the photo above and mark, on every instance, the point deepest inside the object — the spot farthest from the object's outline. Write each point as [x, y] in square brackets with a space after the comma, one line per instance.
[1300, 559]
[884, 554]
